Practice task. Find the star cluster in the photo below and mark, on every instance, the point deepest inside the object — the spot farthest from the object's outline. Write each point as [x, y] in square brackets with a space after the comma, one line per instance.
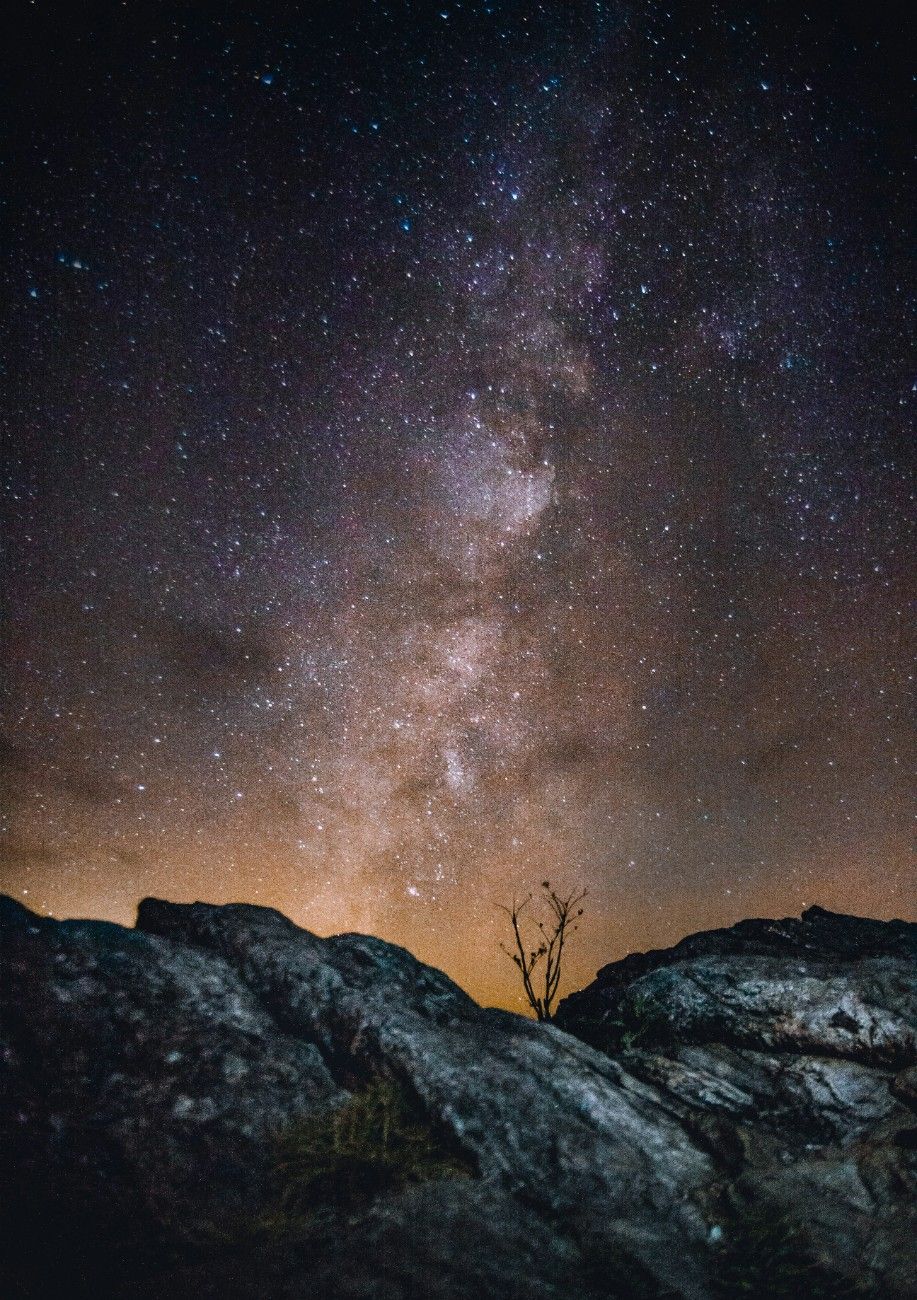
[456, 445]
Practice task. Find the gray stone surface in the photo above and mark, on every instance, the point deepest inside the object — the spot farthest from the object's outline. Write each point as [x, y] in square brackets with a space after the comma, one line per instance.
[146, 1073]
[791, 1044]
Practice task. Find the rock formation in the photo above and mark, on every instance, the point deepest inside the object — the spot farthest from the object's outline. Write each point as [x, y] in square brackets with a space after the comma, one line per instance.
[732, 1114]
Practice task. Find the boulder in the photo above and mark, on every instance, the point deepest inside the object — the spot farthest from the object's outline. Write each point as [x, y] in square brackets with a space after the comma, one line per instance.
[139, 1079]
[791, 1044]
[770, 962]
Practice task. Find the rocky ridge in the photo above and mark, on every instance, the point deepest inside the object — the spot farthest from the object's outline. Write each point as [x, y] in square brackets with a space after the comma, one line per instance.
[741, 1102]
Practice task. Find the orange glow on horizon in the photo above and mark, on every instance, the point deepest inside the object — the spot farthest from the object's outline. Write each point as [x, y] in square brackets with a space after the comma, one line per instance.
[465, 942]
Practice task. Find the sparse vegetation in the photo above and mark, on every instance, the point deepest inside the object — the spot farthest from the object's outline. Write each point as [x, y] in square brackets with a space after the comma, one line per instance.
[559, 918]
[643, 1025]
[376, 1142]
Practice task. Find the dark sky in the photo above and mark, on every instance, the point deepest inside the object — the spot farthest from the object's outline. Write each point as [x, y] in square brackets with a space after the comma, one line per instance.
[450, 445]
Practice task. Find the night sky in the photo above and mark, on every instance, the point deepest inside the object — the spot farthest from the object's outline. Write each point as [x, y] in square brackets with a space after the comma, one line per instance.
[453, 445]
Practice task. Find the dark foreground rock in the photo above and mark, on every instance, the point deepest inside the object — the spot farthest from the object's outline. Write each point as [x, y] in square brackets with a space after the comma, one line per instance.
[739, 1121]
[791, 1045]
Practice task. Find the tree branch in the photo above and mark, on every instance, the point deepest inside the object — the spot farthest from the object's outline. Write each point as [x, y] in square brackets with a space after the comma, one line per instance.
[564, 912]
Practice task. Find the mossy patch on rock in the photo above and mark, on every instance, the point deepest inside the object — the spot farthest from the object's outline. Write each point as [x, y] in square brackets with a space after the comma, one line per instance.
[377, 1142]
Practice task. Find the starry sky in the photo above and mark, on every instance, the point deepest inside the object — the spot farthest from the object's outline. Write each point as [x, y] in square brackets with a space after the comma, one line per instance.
[453, 445]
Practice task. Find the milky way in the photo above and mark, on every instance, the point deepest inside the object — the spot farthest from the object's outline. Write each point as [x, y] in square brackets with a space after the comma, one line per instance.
[452, 446]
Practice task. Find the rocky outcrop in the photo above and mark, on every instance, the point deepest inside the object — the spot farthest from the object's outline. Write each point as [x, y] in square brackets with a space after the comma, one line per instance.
[150, 1076]
[791, 1044]
[823, 982]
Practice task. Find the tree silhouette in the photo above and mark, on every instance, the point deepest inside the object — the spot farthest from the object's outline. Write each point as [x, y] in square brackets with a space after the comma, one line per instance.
[560, 917]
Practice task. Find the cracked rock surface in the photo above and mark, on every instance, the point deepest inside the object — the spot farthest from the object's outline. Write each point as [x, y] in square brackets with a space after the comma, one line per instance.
[764, 1075]
[791, 1043]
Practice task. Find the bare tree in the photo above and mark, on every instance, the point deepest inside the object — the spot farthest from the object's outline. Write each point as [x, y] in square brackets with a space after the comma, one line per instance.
[560, 917]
